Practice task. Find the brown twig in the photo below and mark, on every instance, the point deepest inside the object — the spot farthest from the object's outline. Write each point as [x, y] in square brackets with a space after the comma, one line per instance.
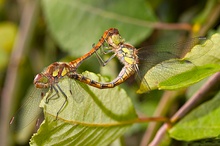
[168, 98]
[172, 26]
[201, 95]
[27, 24]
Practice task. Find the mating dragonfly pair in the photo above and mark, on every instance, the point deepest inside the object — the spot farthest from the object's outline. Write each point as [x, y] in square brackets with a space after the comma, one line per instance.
[110, 42]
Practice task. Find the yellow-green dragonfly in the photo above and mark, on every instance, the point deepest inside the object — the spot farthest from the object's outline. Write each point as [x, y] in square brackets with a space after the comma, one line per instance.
[133, 58]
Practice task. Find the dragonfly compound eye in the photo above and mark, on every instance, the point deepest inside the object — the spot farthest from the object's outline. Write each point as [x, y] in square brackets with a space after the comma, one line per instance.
[41, 81]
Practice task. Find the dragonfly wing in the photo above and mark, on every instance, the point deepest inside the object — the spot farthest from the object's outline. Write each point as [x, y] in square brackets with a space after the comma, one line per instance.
[79, 96]
[154, 56]
[170, 74]
[157, 53]
[29, 110]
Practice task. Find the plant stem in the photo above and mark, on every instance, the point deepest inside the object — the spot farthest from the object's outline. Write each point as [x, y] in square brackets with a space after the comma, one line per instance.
[203, 94]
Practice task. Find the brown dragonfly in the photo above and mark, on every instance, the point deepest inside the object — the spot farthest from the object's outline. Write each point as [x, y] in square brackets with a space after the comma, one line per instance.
[49, 78]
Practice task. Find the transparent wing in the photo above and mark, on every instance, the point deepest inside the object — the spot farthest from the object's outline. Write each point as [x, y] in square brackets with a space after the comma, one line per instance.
[151, 56]
[29, 110]
[77, 96]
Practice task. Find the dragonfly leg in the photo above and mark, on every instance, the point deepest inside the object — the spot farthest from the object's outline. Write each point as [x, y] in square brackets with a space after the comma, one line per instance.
[103, 48]
[108, 50]
[49, 96]
[104, 62]
[64, 103]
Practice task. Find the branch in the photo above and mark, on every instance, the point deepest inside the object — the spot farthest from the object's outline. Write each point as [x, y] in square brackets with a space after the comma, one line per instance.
[203, 94]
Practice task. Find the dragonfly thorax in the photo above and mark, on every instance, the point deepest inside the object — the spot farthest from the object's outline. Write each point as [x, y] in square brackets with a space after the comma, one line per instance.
[51, 74]
[127, 54]
[115, 40]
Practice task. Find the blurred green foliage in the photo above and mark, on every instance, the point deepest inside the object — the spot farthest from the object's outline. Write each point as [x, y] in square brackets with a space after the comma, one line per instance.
[65, 30]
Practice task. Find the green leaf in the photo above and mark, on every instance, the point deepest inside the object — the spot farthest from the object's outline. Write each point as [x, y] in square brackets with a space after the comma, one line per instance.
[76, 25]
[91, 116]
[203, 122]
[201, 62]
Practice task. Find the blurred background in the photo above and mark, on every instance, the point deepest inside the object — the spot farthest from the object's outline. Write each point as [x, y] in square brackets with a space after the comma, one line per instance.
[34, 34]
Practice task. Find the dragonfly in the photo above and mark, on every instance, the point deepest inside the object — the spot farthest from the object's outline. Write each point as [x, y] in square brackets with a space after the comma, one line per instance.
[132, 59]
[49, 78]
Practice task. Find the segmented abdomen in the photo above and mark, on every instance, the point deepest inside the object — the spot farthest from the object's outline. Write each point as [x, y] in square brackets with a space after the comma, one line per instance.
[125, 73]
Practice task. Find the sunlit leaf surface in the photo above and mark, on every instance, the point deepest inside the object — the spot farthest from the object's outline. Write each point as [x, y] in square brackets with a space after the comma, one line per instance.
[100, 117]
[203, 122]
[202, 61]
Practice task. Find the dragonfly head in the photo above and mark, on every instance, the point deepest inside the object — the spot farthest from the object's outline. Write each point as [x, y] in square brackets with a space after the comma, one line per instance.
[114, 39]
[41, 81]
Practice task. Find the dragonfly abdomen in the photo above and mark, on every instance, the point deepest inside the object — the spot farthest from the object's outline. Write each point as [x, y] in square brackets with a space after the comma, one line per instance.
[125, 73]
[89, 81]
[105, 37]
